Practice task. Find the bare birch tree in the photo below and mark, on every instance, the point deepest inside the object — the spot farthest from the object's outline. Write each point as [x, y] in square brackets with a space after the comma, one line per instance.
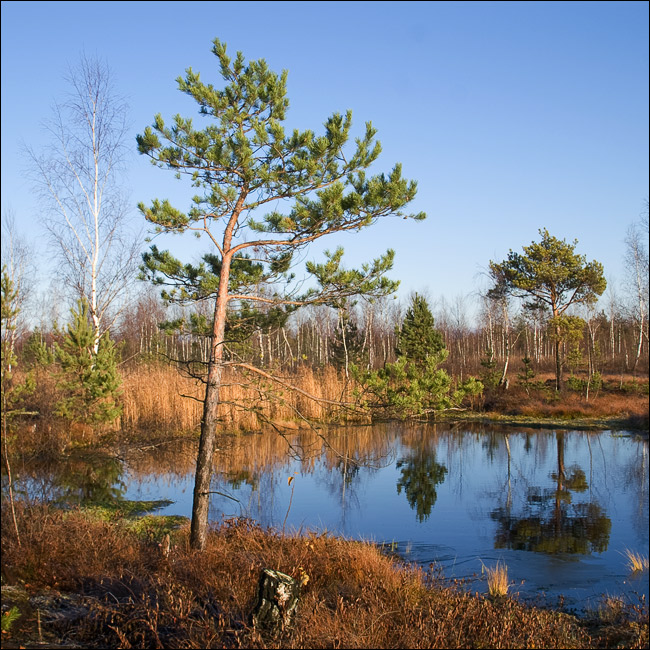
[636, 266]
[78, 176]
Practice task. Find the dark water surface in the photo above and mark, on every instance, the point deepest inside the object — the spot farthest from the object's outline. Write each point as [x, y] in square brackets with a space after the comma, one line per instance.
[558, 507]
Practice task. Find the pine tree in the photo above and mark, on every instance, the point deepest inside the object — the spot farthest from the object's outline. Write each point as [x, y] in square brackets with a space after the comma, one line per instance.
[418, 339]
[242, 164]
[13, 392]
[549, 277]
[90, 382]
[414, 385]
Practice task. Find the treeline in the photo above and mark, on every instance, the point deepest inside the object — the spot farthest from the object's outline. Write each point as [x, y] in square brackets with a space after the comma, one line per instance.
[241, 306]
[367, 334]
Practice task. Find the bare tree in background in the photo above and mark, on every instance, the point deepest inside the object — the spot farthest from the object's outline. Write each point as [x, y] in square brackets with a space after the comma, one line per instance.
[78, 175]
[636, 266]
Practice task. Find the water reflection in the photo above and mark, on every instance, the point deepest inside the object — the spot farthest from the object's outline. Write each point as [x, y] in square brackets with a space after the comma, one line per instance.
[420, 474]
[81, 477]
[551, 522]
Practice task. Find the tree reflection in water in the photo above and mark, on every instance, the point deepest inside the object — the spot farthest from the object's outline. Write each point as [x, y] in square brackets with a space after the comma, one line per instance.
[552, 523]
[420, 476]
[82, 477]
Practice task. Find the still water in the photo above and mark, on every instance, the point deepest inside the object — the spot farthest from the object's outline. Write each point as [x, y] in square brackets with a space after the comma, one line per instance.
[558, 507]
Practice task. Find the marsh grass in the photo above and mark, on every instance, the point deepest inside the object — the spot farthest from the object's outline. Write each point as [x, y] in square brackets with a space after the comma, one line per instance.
[159, 397]
[353, 595]
[497, 580]
[159, 400]
[610, 608]
[636, 561]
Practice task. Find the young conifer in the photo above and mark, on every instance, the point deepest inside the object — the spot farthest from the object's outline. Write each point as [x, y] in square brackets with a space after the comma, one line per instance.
[418, 338]
[90, 382]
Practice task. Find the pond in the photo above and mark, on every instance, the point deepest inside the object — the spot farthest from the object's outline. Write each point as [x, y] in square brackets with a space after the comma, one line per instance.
[558, 507]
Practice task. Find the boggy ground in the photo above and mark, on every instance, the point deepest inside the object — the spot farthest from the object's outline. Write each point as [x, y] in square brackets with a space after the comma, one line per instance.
[619, 403]
[82, 579]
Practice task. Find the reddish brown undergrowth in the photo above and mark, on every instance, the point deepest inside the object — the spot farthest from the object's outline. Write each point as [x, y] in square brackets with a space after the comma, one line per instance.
[126, 593]
[625, 400]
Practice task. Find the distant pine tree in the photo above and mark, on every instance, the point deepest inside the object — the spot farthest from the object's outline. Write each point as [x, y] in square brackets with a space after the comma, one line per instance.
[418, 338]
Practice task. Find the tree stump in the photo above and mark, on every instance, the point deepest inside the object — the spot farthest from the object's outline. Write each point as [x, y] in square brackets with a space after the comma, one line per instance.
[277, 599]
[165, 545]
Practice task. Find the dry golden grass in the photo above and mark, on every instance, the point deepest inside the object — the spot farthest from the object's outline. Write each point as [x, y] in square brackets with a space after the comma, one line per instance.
[497, 579]
[160, 398]
[355, 597]
[571, 405]
[636, 561]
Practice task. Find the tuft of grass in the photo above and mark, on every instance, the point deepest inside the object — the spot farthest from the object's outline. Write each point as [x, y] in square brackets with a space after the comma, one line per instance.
[610, 609]
[497, 579]
[635, 561]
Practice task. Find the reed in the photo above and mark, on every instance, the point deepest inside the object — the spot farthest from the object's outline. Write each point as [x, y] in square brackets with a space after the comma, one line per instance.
[159, 397]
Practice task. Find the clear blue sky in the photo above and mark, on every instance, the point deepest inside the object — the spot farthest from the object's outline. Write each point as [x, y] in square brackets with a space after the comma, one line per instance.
[512, 116]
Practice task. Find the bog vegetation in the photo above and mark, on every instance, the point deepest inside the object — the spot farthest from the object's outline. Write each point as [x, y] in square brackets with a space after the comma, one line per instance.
[127, 593]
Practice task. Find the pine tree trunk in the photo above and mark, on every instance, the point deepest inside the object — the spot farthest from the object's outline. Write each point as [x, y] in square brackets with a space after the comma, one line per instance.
[201, 502]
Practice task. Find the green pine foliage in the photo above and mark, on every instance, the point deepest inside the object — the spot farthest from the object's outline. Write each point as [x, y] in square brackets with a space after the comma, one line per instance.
[414, 385]
[9, 618]
[36, 352]
[550, 277]
[527, 374]
[263, 196]
[404, 389]
[418, 338]
[490, 376]
[244, 161]
[89, 382]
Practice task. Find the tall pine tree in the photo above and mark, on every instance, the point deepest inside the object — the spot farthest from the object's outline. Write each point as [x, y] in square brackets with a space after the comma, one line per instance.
[263, 196]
